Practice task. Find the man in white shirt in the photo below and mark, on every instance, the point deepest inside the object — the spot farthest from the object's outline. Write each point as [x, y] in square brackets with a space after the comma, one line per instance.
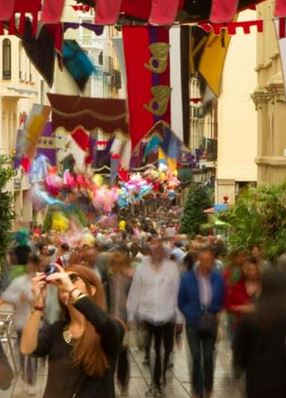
[153, 300]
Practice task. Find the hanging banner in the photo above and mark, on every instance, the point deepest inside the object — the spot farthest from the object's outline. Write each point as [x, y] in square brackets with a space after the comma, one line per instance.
[153, 56]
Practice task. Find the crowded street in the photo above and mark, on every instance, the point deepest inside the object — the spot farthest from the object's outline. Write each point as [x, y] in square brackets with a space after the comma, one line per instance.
[142, 198]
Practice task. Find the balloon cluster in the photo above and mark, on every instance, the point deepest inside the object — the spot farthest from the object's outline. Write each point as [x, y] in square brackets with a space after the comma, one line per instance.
[66, 190]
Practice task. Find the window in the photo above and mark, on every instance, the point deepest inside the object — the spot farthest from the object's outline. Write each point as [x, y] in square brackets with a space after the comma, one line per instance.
[6, 49]
[20, 61]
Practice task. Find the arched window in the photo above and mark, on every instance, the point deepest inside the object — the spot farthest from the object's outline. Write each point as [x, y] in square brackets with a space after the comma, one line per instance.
[6, 50]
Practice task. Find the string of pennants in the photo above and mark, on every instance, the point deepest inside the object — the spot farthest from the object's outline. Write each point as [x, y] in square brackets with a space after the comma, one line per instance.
[230, 27]
[162, 12]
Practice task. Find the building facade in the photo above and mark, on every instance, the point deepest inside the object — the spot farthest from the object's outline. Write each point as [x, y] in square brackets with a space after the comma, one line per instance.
[21, 86]
[237, 119]
[269, 99]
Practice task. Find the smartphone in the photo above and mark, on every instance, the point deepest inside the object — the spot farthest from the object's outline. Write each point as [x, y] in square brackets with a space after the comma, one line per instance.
[50, 269]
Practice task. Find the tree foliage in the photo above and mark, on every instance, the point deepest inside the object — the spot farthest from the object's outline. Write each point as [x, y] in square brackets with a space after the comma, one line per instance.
[259, 218]
[198, 199]
[6, 206]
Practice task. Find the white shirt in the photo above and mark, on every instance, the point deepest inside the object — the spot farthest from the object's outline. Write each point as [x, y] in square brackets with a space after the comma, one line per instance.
[19, 293]
[153, 295]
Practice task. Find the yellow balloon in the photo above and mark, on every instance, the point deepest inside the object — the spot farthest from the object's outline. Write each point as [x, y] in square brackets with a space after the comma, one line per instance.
[122, 225]
[60, 222]
[98, 180]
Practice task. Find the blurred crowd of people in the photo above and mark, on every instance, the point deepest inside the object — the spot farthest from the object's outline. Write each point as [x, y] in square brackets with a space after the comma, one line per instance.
[81, 305]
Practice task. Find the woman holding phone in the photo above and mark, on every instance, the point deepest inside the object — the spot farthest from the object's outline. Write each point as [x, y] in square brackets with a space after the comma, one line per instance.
[82, 348]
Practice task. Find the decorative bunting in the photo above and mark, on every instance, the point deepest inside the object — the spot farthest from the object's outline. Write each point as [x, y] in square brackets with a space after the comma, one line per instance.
[6, 9]
[163, 12]
[223, 10]
[280, 8]
[107, 11]
[52, 11]
[231, 27]
[24, 7]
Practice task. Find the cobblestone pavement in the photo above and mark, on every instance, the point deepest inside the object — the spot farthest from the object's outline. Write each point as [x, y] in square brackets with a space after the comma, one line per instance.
[178, 381]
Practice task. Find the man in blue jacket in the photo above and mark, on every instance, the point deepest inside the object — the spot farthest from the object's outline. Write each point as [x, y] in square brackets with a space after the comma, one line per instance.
[201, 298]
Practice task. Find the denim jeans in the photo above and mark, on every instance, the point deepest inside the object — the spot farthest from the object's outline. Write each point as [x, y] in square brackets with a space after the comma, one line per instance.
[202, 351]
[163, 336]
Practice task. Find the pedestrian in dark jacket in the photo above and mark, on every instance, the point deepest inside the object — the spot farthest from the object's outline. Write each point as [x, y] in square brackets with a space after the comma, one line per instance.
[259, 344]
[201, 298]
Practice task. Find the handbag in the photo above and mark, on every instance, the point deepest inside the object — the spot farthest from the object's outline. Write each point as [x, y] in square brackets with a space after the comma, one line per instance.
[208, 324]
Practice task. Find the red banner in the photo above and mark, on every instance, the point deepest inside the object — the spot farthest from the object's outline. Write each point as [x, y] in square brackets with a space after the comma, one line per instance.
[280, 8]
[52, 11]
[107, 11]
[223, 10]
[148, 78]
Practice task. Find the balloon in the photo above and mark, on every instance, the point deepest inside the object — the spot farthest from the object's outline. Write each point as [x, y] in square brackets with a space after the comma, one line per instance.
[60, 222]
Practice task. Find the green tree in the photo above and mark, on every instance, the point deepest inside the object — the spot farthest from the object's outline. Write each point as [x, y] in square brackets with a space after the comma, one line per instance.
[259, 218]
[6, 206]
[198, 199]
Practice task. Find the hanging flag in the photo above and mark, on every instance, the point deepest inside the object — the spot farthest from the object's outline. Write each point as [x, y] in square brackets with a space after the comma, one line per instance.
[223, 10]
[47, 145]
[164, 12]
[280, 8]
[151, 57]
[212, 60]
[34, 127]
[107, 11]
[6, 9]
[153, 143]
[41, 51]
[179, 75]
[19, 147]
[52, 11]
[77, 63]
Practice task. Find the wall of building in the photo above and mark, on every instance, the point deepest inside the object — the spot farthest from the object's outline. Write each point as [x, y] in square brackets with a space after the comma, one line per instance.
[237, 120]
[269, 98]
[20, 87]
